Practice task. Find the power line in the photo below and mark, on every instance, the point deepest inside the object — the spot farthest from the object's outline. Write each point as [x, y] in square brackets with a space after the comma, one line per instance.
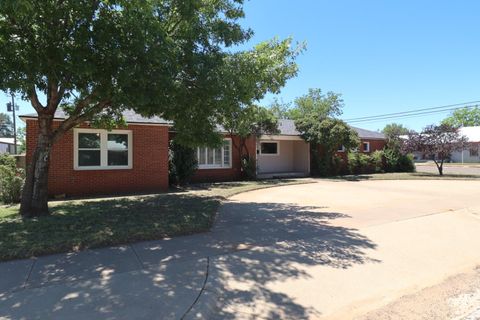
[415, 111]
[411, 115]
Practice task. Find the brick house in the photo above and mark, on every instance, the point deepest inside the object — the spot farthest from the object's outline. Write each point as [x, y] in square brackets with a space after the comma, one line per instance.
[89, 161]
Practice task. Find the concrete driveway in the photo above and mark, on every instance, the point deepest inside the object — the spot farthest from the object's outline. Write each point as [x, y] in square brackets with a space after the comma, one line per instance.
[322, 250]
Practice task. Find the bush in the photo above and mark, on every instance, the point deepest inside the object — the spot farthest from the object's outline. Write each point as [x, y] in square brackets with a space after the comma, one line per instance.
[182, 163]
[405, 163]
[8, 160]
[377, 161]
[249, 168]
[11, 180]
[359, 163]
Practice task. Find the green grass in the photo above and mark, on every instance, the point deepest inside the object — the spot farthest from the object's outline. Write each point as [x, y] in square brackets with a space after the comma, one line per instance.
[407, 176]
[80, 224]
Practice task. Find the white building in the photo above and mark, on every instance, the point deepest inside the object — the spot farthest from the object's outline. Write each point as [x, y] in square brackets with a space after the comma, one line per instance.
[7, 145]
[471, 153]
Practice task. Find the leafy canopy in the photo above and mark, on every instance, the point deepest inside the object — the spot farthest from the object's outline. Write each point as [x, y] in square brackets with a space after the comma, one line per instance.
[315, 118]
[393, 133]
[438, 141]
[157, 57]
[464, 117]
[6, 126]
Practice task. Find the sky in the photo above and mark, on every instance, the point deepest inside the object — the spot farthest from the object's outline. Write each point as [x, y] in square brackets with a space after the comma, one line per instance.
[382, 56]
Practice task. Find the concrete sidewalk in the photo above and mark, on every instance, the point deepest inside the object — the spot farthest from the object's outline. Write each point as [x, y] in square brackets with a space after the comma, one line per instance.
[292, 252]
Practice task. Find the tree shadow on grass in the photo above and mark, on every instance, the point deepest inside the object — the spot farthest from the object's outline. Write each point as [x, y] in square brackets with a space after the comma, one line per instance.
[80, 225]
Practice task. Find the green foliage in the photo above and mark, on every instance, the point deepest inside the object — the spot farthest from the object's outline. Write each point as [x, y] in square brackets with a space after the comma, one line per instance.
[464, 117]
[280, 109]
[377, 161]
[317, 105]
[380, 161]
[247, 122]
[359, 163]
[182, 163]
[6, 126]
[405, 163]
[393, 133]
[167, 57]
[8, 161]
[11, 180]
[251, 121]
[249, 168]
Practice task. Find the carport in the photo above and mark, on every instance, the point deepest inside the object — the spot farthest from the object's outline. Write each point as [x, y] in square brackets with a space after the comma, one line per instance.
[282, 156]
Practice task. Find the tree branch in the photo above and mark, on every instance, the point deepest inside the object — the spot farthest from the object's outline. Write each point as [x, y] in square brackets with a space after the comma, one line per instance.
[36, 104]
[76, 119]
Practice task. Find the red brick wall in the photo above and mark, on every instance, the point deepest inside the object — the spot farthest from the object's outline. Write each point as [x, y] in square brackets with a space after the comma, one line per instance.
[374, 146]
[230, 174]
[149, 172]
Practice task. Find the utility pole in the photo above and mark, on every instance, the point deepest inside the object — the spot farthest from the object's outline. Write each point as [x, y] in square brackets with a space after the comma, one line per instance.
[12, 107]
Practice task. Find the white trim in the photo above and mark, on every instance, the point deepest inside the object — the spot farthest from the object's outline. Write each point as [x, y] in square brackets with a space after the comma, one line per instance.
[363, 146]
[342, 149]
[281, 137]
[103, 149]
[216, 166]
[270, 154]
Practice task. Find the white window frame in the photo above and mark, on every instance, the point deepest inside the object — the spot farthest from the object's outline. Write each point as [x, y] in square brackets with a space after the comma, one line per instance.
[103, 149]
[216, 166]
[270, 154]
[363, 146]
[341, 149]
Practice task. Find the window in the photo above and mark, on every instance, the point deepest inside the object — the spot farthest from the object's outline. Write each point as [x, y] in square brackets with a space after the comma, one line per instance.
[269, 148]
[366, 146]
[209, 158]
[341, 149]
[474, 152]
[101, 149]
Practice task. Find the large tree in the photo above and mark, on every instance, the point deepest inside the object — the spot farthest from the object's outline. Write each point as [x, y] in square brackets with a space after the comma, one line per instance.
[393, 133]
[464, 117]
[315, 116]
[437, 141]
[160, 57]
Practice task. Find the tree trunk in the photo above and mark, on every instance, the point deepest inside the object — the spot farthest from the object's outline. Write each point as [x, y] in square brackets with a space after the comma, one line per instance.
[439, 167]
[35, 191]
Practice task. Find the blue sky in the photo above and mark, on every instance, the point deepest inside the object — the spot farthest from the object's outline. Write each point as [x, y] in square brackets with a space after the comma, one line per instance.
[383, 56]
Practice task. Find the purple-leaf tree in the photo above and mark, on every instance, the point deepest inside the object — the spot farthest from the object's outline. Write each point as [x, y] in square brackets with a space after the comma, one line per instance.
[437, 141]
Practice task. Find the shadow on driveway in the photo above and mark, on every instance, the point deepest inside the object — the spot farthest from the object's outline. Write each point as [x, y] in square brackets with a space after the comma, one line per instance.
[250, 246]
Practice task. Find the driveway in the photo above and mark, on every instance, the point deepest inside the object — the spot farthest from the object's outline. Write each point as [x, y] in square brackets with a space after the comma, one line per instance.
[322, 250]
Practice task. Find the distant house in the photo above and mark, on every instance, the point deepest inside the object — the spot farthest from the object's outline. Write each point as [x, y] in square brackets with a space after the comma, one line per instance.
[7, 145]
[89, 161]
[471, 153]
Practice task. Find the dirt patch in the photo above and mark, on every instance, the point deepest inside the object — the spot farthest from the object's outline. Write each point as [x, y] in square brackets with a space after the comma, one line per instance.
[456, 298]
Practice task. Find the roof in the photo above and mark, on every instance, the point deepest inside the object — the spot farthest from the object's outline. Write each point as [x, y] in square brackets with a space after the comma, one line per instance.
[8, 141]
[472, 133]
[130, 116]
[287, 128]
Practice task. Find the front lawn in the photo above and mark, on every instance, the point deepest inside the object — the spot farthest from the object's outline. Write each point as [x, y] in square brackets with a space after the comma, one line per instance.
[80, 224]
[407, 176]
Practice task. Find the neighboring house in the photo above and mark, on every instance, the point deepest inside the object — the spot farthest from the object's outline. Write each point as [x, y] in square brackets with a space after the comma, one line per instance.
[89, 161]
[7, 145]
[471, 153]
